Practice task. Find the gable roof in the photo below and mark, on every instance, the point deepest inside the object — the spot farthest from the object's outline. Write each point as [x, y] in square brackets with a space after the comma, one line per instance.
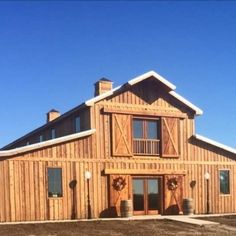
[171, 87]
[47, 143]
[152, 74]
[141, 78]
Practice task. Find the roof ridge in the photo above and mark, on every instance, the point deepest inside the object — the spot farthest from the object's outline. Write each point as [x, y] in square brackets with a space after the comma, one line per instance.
[140, 78]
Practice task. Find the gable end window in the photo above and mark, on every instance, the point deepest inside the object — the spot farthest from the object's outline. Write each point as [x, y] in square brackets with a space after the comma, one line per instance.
[224, 182]
[40, 138]
[146, 136]
[53, 133]
[54, 182]
[77, 124]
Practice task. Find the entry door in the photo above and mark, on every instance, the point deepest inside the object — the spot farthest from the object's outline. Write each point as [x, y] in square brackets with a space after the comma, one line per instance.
[147, 196]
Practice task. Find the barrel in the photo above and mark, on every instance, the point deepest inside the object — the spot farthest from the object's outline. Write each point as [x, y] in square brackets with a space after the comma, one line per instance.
[188, 206]
[126, 208]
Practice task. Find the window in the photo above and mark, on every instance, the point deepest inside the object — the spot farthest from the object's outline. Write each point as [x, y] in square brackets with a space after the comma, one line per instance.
[146, 136]
[224, 182]
[53, 133]
[77, 124]
[54, 182]
[41, 138]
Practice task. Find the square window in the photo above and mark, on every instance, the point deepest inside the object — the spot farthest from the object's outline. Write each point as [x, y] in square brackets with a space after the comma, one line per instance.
[224, 182]
[54, 182]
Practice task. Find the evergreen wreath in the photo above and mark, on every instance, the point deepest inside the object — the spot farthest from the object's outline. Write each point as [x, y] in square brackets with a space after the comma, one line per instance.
[119, 183]
[172, 183]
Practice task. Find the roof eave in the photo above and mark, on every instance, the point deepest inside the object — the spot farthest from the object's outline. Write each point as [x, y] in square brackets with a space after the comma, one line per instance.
[16, 151]
[197, 110]
[91, 101]
[214, 143]
[51, 123]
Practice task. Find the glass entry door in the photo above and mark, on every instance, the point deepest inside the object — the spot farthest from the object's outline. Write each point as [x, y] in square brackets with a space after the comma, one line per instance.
[147, 196]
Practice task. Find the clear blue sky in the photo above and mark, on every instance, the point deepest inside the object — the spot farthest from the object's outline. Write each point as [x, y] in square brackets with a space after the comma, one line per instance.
[51, 53]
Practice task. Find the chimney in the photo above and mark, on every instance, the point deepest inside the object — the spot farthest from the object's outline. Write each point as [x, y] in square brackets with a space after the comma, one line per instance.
[52, 115]
[102, 86]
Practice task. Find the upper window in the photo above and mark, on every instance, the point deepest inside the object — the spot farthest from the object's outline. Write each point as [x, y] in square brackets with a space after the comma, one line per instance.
[224, 182]
[146, 136]
[53, 133]
[41, 138]
[77, 124]
[54, 182]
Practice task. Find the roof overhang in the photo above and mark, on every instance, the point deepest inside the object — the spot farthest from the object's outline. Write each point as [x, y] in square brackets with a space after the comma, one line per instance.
[141, 78]
[197, 110]
[156, 76]
[214, 143]
[16, 151]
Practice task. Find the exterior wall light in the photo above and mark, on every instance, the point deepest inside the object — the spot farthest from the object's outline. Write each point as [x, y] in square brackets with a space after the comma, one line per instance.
[88, 176]
[207, 177]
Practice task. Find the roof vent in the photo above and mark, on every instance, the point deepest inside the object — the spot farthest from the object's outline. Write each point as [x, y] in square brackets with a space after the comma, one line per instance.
[52, 115]
[102, 86]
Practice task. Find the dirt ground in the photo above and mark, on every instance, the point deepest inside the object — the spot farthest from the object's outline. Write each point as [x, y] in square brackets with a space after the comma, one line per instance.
[114, 228]
[226, 220]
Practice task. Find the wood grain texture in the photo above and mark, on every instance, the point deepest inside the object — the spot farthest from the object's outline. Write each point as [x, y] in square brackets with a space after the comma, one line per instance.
[108, 154]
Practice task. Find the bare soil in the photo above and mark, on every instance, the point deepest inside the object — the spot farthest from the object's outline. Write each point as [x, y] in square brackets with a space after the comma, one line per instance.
[225, 220]
[114, 228]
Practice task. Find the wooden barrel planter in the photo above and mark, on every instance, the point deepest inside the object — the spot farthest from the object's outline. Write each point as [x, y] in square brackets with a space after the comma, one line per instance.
[188, 206]
[126, 208]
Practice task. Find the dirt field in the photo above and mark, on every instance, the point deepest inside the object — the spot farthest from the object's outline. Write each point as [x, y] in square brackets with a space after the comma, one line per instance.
[113, 228]
[226, 220]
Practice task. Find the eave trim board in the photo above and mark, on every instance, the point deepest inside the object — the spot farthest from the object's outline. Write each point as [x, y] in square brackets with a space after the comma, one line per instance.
[47, 143]
[156, 76]
[214, 143]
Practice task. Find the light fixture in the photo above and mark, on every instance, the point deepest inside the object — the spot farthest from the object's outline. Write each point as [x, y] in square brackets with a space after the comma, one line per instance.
[207, 176]
[87, 175]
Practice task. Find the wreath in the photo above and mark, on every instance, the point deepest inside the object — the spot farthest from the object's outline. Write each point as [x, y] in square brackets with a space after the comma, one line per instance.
[119, 183]
[172, 183]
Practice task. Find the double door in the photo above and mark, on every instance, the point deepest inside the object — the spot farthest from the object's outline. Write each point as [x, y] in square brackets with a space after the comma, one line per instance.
[147, 195]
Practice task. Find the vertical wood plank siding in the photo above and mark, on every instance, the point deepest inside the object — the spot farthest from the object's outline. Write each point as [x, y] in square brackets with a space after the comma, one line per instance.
[24, 181]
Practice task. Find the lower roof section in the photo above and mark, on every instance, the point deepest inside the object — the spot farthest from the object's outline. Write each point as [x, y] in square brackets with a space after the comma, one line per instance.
[47, 143]
[214, 143]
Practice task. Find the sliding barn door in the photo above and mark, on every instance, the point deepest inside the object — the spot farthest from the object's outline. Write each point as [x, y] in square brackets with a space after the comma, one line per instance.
[170, 137]
[121, 135]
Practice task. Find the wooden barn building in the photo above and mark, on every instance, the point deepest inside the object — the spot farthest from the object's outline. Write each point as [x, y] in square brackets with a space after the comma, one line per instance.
[136, 141]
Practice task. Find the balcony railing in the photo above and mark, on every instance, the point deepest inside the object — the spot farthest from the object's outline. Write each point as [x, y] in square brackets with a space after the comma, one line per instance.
[146, 146]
